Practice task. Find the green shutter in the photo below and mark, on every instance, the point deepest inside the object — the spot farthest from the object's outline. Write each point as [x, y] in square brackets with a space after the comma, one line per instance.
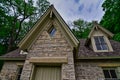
[47, 73]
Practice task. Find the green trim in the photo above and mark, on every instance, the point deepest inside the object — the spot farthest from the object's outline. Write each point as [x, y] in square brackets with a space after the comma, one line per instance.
[106, 57]
[1, 58]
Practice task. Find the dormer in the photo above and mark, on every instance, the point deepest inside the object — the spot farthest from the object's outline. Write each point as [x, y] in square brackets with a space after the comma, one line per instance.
[99, 38]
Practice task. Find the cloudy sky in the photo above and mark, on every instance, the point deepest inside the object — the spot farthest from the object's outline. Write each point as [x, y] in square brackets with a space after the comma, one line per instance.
[71, 10]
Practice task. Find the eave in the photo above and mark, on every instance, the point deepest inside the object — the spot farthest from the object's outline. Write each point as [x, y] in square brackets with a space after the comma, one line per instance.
[97, 26]
[95, 58]
[13, 59]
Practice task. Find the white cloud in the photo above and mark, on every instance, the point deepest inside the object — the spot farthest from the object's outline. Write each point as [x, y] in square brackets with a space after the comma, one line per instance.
[74, 9]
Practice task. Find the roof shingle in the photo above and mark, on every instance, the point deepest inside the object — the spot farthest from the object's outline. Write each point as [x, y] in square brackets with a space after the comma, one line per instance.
[15, 54]
[85, 51]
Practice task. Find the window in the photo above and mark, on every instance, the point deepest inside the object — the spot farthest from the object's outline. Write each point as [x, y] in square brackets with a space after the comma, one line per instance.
[110, 73]
[52, 31]
[100, 43]
[19, 72]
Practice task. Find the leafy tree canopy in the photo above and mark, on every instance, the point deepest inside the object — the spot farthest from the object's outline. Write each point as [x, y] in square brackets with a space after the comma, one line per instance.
[111, 18]
[16, 19]
[81, 28]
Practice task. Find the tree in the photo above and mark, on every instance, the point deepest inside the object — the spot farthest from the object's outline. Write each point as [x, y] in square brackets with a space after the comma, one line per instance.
[81, 28]
[15, 18]
[111, 18]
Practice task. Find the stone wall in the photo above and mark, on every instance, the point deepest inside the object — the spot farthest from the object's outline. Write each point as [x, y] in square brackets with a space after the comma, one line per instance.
[27, 69]
[88, 71]
[9, 71]
[46, 46]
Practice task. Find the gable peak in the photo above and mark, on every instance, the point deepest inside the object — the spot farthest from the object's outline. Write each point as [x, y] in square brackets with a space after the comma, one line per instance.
[97, 26]
[50, 15]
[95, 22]
[51, 6]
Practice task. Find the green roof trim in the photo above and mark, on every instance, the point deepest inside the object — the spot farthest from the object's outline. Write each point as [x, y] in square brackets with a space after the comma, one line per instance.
[92, 58]
[19, 59]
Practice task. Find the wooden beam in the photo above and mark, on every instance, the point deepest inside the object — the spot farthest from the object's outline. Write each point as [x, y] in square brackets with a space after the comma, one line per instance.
[48, 60]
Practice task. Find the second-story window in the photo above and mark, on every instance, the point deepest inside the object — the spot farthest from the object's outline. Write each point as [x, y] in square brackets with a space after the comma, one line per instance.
[110, 74]
[100, 43]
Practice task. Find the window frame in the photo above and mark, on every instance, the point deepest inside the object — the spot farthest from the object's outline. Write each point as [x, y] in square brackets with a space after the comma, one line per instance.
[110, 49]
[52, 31]
[109, 72]
[101, 45]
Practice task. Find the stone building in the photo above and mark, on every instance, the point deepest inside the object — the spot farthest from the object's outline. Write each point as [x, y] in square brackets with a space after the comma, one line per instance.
[50, 51]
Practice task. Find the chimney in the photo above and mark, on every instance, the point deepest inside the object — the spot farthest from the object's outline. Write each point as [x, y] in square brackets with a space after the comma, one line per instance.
[95, 22]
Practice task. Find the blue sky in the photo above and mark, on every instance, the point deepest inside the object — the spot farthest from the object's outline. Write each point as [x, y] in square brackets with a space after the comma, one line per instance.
[71, 10]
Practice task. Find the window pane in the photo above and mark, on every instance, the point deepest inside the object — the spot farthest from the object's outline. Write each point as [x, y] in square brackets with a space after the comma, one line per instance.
[52, 31]
[113, 74]
[98, 47]
[104, 47]
[100, 43]
[103, 43]
[96, 40]
[101, 39]
[106, 73]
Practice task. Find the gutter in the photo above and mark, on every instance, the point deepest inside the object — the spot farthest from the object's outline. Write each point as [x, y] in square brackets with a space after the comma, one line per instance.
[19, 59]
[92, 58]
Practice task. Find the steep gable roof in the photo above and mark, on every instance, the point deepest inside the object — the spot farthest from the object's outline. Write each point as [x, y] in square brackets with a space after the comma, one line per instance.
[32, 34]
[86, 52]
[97, 26]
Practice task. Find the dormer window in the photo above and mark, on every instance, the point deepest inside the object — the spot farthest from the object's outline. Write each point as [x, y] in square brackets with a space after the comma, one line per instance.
[52, 31]
[99, 37]
[100, 43]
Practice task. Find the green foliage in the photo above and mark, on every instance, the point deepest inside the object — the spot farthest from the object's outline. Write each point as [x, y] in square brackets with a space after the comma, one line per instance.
[111, 18]
[117, 37]
[16, 19]
[81, 28]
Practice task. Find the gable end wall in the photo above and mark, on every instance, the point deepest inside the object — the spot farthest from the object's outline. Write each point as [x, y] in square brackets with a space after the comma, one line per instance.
[46, 46]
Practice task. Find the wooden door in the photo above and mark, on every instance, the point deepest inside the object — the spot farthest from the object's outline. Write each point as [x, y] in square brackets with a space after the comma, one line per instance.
[47, 73]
